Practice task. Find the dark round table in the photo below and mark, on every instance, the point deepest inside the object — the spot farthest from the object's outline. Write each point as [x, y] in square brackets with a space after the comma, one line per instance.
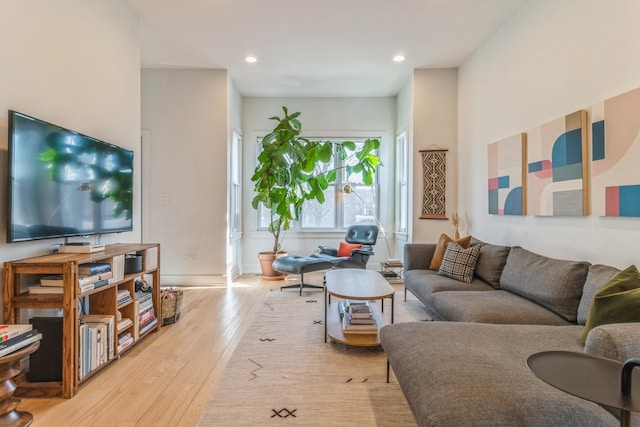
[590, 377]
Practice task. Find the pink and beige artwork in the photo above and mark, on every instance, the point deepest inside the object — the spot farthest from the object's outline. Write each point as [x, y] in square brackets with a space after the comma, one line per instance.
[615, 148]
[506, 184]
[557, 180]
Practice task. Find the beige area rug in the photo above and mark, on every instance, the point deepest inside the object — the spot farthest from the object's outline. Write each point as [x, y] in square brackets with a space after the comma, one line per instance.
[283, 373]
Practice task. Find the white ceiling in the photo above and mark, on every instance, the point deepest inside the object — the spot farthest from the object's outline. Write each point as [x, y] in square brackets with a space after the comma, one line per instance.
[316, 47]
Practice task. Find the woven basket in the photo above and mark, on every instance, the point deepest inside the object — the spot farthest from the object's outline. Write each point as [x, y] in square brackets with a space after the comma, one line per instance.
[171, 303]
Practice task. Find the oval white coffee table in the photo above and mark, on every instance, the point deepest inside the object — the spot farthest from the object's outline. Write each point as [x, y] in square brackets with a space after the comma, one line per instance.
[354, 284]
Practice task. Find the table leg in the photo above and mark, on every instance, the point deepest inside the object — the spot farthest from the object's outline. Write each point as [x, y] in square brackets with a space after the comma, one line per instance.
[392, 305]
[325, 314]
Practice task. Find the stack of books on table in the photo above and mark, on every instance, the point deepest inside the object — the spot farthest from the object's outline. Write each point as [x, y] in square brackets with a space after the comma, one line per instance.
[96, 337]
[357, 317]
[15, 337]
[93, 275]
[48, 285]
[146, 318]
[393, 263]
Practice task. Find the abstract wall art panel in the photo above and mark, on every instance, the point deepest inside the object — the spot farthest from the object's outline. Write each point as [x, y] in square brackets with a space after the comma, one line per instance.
[434, 176]
[507, 178]
[557, 180]
[615, 148]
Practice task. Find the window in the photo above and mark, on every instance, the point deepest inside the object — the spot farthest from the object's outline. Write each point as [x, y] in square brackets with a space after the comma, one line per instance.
[339, 210]
[402, 190]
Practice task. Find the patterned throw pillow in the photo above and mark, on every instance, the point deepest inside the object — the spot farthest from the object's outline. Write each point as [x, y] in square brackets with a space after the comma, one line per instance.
[459, 263]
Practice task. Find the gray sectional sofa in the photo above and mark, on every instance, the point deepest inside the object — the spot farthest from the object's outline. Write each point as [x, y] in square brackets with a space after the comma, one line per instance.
[468, 368]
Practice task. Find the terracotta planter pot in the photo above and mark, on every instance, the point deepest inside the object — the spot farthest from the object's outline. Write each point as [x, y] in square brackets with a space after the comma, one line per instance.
[266, 259]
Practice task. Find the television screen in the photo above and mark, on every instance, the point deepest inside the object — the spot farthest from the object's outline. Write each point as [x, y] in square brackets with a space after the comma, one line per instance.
[63, 183]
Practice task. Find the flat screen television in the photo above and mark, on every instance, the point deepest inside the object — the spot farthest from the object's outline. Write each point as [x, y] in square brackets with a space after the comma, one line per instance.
[63, 183]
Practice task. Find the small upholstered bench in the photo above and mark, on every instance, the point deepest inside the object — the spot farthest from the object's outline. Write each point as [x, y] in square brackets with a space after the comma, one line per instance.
[298, 264]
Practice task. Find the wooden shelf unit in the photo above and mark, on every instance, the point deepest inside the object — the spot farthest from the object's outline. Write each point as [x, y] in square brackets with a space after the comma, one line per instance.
[101, 301]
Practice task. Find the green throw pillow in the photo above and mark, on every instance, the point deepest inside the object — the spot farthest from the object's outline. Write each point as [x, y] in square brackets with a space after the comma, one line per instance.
[616, 302]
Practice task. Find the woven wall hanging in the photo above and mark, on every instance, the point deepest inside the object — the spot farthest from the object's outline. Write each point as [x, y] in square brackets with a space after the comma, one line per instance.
[434, 176]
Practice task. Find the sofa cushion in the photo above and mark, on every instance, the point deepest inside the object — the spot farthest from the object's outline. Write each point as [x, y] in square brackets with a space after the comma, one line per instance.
[620, 341]
[459, 263]
[441, 248]
[616, 302]
[497, 306]
[553, 283]
[597, 277]
[424, 283]
[491, 261]
[476, 375]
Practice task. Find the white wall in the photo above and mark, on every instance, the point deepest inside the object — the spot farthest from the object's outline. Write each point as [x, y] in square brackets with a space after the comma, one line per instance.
[404, 121]
[435, 103]
[331, 117]
[76, 64]
[550, 59]
[185, 113]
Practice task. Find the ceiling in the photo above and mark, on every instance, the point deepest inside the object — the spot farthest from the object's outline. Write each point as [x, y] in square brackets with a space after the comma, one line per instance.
[316, 47]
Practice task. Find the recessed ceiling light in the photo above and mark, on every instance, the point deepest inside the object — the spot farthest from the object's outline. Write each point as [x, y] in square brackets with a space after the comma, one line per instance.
[251, 59]
[399, 58]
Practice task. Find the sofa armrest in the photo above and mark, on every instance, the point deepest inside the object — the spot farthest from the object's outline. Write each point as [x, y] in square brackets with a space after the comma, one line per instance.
[619, 341]
[327, 250]
[417, 256]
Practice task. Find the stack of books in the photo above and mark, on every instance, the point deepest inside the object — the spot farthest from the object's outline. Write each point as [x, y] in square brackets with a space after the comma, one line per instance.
[123, 296]
[357, 317]
[48, 285]
[146, 318]
[393, 263]
[125, 339]
[15, 337]
[96, 334]
[93, 275]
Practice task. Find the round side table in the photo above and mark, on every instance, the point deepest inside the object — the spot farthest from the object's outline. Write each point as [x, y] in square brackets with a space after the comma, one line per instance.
[592, 378]
[9, 369]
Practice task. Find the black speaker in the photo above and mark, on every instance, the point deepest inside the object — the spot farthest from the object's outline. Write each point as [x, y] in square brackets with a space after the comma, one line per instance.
[45, 364]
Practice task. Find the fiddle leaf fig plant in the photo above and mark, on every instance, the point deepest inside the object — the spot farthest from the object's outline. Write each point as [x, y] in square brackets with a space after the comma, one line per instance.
[292, 170]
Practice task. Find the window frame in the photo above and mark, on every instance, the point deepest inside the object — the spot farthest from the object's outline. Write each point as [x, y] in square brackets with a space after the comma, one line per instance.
[341, 180]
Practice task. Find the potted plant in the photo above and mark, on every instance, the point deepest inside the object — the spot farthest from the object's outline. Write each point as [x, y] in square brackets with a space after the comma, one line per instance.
[290, 172]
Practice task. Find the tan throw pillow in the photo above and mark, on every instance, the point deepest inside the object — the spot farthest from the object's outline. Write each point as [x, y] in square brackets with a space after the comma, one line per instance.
[441, 247]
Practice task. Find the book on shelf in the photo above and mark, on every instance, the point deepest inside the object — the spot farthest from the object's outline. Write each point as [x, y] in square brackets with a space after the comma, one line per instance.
[348, 327]
[54, 281]
[117, 267]
[106, 325]
[124, 324]
[80, 249]
[393, 263]
[93, 268]
[39, 289]
[91, 286]
[149, 325]
[19, 341]
[125, 343]
[123, 296]
[9, 331]
[93, 278]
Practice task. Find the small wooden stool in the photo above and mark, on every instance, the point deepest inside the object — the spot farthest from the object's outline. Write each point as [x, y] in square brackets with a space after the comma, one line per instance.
[9, 369]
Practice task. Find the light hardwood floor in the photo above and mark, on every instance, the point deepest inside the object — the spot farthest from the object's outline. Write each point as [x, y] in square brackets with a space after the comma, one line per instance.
[167, 379]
